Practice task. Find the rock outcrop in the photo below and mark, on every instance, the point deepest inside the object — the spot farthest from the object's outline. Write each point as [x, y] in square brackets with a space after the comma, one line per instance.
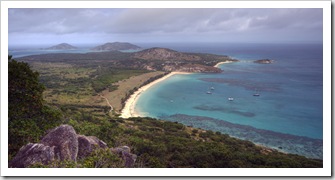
[87, 144]
[33, 153]
[64, 138]
[62, 143]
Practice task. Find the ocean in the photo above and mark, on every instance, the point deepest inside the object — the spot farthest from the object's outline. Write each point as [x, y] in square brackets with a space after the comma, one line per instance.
[287, 115]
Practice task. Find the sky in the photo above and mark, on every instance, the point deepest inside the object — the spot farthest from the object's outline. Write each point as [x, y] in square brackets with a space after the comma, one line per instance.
[95, 26]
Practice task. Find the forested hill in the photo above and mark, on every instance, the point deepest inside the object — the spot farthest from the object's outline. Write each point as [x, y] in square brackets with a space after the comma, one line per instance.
[157, 59]
[116, 46]
[62, 46]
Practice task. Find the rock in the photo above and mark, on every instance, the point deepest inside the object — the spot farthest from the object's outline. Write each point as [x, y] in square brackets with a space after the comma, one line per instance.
[31, 154]
[264, 61]
[62, 143]
[124, 152]
[64, 138]
[86, 144]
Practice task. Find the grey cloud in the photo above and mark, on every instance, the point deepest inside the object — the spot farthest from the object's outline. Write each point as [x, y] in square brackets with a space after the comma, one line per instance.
[168, 22]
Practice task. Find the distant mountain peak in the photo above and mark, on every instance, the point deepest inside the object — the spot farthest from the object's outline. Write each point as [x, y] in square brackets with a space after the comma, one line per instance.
[116, 46]
[61, 46]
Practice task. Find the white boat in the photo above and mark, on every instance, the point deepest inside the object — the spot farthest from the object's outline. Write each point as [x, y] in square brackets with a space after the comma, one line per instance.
[208, 92]
[212, 88]
[231, 99]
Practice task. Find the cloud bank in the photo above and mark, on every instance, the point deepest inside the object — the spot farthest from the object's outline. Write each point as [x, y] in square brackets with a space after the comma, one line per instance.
[217, 24]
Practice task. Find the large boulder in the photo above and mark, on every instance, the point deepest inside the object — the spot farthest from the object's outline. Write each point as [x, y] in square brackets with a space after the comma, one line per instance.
[33, 153]
[124, 152]
[86, 144]
[64, 138]
[62, 143]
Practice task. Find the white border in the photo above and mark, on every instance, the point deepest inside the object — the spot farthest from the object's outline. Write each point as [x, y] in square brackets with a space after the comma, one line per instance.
[325, 171]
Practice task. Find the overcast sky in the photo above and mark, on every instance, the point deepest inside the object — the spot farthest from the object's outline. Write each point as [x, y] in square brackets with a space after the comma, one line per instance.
[87, 26]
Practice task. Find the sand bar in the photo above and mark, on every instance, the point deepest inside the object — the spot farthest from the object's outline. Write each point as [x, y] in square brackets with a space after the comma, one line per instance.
[129, 108]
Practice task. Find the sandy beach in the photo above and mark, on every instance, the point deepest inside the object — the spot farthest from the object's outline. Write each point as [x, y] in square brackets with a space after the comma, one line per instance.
[218, 64]
[129, 108]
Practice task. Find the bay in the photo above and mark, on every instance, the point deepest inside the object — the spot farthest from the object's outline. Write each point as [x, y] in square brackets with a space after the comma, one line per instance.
[289, 105]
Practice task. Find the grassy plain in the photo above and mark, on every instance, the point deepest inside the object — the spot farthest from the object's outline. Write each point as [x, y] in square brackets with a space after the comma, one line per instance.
[78, 88]
[125, 86]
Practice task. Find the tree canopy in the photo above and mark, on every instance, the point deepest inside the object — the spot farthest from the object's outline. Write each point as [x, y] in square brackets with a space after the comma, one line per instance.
[28, 117]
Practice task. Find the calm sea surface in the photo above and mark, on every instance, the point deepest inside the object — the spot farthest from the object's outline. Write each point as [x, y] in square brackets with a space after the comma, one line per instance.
[287, 115]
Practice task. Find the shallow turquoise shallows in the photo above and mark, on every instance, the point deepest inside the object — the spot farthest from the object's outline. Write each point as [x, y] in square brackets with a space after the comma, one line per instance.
[277, 105]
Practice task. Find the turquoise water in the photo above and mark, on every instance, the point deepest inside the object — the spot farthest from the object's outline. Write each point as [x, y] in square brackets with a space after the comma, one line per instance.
[287, 115]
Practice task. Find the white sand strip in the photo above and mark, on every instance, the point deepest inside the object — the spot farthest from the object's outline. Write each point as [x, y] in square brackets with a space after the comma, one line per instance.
[129, 108]
[218, 64]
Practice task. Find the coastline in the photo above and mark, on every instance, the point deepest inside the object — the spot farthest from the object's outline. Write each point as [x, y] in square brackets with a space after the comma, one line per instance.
[129, 108]
[225, 62]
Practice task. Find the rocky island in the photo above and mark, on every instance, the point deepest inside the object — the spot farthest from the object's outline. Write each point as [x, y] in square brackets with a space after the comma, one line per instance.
[264, 61]
[62, 46]
[116, 46]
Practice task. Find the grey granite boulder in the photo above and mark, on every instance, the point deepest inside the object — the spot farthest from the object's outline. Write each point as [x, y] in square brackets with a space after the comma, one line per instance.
[64, 138]
[33, 153]
[62, 143]
[124, 152]
[86, 144]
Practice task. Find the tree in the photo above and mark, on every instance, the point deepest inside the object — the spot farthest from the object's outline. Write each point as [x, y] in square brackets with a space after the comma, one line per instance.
[24, 90]
[28, 116]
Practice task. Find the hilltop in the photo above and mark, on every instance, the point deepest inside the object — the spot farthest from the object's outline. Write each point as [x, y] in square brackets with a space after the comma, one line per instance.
[62, 46]
[116, 46]
[164, 54]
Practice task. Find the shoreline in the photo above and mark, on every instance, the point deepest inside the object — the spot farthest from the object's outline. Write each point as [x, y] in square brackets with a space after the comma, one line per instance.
[129, 108]
[225, 62]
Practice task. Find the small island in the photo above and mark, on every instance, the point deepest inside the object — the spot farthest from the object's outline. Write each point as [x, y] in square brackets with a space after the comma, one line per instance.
[62, 46]
[264, 61]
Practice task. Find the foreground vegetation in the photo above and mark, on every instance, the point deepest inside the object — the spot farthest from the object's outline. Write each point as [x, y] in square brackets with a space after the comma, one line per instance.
[156, 143]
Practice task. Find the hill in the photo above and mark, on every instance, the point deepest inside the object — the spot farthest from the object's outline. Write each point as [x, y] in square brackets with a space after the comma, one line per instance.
[62, 46]
[164, 54]
[153, 59]
[116, 46]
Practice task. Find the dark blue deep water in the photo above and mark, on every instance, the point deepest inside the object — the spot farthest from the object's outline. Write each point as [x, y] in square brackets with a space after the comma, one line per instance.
[287, 115]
